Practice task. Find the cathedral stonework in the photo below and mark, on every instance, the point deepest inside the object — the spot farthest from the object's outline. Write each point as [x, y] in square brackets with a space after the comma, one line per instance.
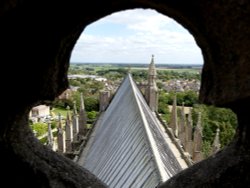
[151, 94]
[221, 30]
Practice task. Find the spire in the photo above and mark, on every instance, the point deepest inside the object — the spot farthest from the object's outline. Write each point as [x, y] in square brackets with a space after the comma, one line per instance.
[82, 102]
[68, 118]
[60, 136]
[74, 108]
[197, 155]
[182, 125]
[69, 133]
[216, 144]
[82, 121]
[59, 120]
[189, 126]
[152, 69]
[104, 97]
[59, 126]
[50, 136]
[75, 122]
[189, 132]
[198, 127]
[173, 122]
[152, 90]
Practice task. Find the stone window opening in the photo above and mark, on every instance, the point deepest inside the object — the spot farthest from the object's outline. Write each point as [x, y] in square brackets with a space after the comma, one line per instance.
[222, 35]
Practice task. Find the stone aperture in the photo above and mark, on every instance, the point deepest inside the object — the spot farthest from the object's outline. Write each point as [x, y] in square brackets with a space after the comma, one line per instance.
[36, 42]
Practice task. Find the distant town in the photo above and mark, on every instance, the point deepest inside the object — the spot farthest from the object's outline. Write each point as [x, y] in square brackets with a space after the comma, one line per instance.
[94, 83]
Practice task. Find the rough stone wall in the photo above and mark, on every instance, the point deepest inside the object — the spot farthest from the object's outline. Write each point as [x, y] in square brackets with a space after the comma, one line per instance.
[36, 42]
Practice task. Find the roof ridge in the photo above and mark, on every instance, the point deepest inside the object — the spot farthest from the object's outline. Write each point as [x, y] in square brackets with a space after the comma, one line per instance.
[150, 137]
[125, 150]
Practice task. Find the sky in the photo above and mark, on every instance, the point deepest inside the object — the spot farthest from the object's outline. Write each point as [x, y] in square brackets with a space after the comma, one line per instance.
[133, 36]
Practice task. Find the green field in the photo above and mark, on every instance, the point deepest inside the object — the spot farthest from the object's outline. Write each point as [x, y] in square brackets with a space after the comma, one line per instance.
[93, 68]
[56, 111]
[166, 69]
[181, 70]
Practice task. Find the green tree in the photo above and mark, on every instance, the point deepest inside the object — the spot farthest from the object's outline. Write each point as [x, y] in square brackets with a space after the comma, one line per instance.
[92, 115]
[213, 118]
[39, 128]
[206, 148]
[91, 103]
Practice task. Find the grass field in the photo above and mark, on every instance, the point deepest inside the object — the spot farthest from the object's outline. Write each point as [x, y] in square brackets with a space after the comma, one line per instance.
[191, 70]
[166, 69]
[181, 68]
[56, 111]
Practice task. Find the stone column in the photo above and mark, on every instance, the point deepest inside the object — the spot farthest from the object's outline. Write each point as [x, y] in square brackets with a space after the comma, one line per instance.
[152, 90]
[182, 125]
[50, 141]
[75, 122]
[69, 134]
[197, 142]
[60, 136]
[216, 144]
[189, 134]
[82, 119]
[173, 122]
[104, 97]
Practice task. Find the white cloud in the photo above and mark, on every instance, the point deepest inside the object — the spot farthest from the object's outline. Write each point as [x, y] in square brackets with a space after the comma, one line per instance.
[148, 32]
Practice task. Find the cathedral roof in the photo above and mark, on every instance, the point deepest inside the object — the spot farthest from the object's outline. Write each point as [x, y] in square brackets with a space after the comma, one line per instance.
[129, 147]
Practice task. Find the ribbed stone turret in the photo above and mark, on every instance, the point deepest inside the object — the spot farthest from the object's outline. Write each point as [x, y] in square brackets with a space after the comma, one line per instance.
[174, 119]
[69, 133]
[216, 144]
[82, 119]
[60, 136]
[182, 126]
[189, 134]
[197, 141]
[50, 138]
[152, 90]
[75, 122]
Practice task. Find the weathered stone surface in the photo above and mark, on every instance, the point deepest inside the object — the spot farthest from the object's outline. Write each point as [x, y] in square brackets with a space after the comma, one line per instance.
[36, 42]
[227, 168]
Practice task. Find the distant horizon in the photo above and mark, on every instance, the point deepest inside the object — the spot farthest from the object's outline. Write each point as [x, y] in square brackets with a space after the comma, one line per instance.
[184, 65]
[138, 63]
[132, 36]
